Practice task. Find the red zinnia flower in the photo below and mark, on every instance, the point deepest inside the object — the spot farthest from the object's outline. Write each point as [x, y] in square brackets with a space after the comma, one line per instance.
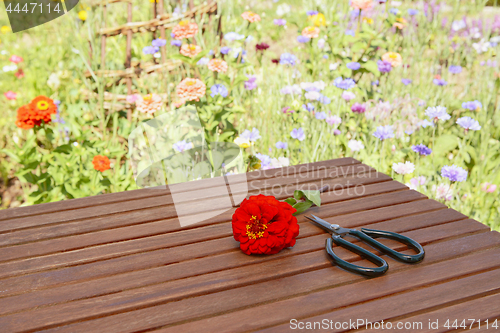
[24, 119]
[261, 46]
[264, 225]
[37, 112]
[101, 163]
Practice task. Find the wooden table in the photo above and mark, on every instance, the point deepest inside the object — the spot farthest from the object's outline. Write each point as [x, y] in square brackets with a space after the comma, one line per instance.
[122, 263]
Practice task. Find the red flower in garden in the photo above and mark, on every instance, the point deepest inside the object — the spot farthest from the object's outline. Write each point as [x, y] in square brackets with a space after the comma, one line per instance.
[275, 61]
[261, 46]
[37, 112]
[264, 225]
[101, 163]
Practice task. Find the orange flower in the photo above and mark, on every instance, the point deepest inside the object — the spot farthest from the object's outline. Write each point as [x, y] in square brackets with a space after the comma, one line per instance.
[190, 50]
[185, 29]
[394, 58]
[361, 4]
[149, 103]
[217, 65]
[250, 17]
[191, 89]
[24, 120]
[310, 32]
[101, 163]
[400, 24]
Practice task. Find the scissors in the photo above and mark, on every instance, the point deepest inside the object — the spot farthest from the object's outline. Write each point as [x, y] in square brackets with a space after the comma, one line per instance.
[367, 235]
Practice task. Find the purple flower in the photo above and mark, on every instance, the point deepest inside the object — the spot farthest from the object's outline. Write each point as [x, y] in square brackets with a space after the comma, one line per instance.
[345, 84]
[324, 100]
[218, 89]
[225, 50]
[252, 136]
[159, 42]
[333, 120]
[348, 95]
[422, 149]
[203, 61]
[320, 115]
[150, 50]
[182, 146]
[406, 81]
[354, 13]
[336, 132]
[303, 39]
[281, 145]
[353, 65]
[251, 83]
[375, 83]
[384, 132]
[298, 133]
[232, 36]
[412, 12]
[288, 59]
[454, 173]
[384, 66]
[469, 124]
[437, 112]
[290, 90]
[312, 12]
[358, 108]
[455, 69]
[472, 105]
[439, 82]
[394, 11]
[308, 107]
[280, 22]
[350, 33]
[175, 42]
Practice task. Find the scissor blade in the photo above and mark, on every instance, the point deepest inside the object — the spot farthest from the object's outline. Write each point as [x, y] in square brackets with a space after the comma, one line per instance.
[322, 223]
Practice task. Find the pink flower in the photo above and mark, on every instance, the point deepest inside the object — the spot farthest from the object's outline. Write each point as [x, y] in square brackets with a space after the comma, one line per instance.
[10, 95]
[132, 98]
[361, 4]
[250, 17]
[15, 59]
[488, 187]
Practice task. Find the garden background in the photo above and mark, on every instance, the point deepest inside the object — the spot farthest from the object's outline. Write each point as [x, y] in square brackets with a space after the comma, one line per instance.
[290, 82]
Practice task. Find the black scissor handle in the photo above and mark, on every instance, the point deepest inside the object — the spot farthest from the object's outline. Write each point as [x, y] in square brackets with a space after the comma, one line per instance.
[367, 236]
[368, 271]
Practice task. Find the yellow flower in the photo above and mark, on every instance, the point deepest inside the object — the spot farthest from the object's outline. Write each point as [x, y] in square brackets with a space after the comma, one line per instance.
[5, 29]
[82, 15]
[393, 58]
[243, 143]
[318, 20]
[368, 20]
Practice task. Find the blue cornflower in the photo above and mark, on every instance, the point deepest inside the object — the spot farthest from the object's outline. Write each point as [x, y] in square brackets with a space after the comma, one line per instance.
[308, 107]
[350, 32]
[406, 81]
[469, 123]
[437, 112]
[265, 160]
[218, 89]
[312, 12]
[455, 69]
[281, 145]
[288, 59]
[472, 105]
[232, 36]
[159, 42]
[354, 13]
[384, 132]
[150, 50]
[225, 50]
[320, 115]
[394, 11]
[353, 65]
[203, 61]
[384, 66]
[324, 100]
[280, 22]
[252, 136]
[303, 39]
[412, 12]
[345, 84]
[422, 149]
[439, 82]
[298, 133]
[454, 173]
[182, 145]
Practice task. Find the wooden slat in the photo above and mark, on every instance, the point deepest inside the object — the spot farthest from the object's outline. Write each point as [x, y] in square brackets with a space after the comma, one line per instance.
[165, 273]
[203, 250]
[138, 218]
[155, 317]
[483, 308]
[146, 193]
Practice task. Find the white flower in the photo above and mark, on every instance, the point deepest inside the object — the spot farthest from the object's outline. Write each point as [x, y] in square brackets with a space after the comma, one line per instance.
[495, 39]
[321, 43]
[283, 9]
[458, 25]
[4, 52]
[355, 145]
[443, 191]
[416, 182]
[334, 66]
[53, 81]
[403, 168]
[395, 3]
[280, 162]
[9, 68]
[312, 95]
[242, 142]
